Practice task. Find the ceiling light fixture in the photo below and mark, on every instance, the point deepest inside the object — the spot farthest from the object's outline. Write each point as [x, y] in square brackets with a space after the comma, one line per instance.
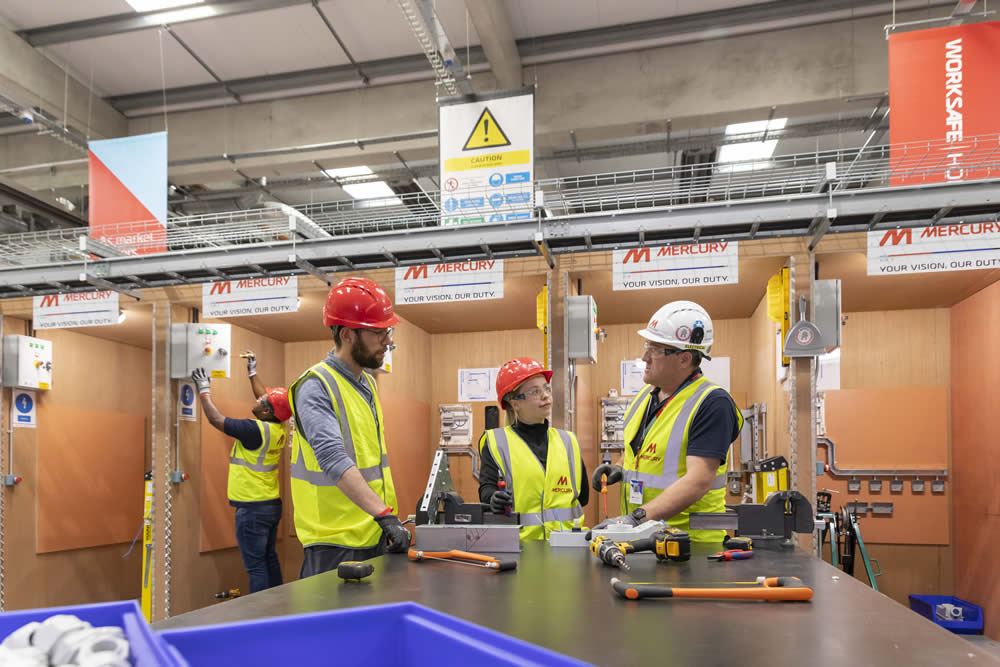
[744, 153]
[156, 5]
[347, 172]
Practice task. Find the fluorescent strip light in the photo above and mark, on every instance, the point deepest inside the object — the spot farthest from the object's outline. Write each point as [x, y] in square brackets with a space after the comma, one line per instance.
[156, 5]
[347, 172]
[747, 152]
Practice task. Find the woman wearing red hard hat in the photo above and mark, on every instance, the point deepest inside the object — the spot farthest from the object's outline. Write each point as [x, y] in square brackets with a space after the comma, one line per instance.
[541, 467]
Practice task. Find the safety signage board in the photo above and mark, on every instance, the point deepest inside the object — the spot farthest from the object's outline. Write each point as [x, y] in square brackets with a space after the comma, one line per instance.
[476, 280]
[477, 384]
[77, 309]
[256, 296]
[23, 409]
[966, 247]
[690, 265]
[632, 372]
[487, 153]
[187, 402]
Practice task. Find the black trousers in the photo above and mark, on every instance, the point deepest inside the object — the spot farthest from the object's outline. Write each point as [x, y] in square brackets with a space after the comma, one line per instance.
[321, 558]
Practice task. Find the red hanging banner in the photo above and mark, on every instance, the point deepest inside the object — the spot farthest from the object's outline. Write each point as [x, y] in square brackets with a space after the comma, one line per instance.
[943, 92]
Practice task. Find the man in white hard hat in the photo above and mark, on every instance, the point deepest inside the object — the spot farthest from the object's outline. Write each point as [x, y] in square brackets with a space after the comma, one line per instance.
[678, 429]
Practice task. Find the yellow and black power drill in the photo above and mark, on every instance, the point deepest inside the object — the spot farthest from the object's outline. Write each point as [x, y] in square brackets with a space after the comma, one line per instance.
[669, 544]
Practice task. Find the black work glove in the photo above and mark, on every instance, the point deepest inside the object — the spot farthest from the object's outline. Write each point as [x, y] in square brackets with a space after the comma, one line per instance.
[396, 534]
[500, 500]
[614, 473]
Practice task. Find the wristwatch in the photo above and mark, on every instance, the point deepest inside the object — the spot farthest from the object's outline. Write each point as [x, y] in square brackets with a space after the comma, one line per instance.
[638, 515]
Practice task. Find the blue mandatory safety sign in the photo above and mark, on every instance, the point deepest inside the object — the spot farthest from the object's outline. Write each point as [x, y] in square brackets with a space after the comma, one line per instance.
[496, 200]
[519, 198]
[496, 217]
[517, 177]
[473, 202]
[451, 204]
[496, 180]
[187, 394]
[24, 403]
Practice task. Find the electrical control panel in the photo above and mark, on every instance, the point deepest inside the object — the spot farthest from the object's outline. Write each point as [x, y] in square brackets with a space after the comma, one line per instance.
[456, 424]
[27, 362]
[200, 346]
[582, 329]
[613, 423]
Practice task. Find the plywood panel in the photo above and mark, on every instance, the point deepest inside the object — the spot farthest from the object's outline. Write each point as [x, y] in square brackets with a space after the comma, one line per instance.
[407, 430]
[901, 427]
[217, 515]
[449, 353]
[896, 348]
[90, 464]
[975, 396]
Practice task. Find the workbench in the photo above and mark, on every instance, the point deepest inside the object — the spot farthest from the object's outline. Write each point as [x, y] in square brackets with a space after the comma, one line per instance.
[561, 599]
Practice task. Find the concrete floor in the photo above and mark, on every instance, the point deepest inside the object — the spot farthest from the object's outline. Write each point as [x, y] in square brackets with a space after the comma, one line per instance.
[985, 643]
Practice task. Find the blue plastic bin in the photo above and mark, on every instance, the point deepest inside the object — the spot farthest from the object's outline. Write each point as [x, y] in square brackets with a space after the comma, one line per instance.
[398, 635]
[925, 605]
[146, 648]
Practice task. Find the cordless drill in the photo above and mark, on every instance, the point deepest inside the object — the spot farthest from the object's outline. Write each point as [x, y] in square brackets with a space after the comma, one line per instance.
[608, 552]
[668, 544]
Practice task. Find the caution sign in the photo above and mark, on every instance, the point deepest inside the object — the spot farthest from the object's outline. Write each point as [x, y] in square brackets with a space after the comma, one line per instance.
[487, 158]
[486, 134]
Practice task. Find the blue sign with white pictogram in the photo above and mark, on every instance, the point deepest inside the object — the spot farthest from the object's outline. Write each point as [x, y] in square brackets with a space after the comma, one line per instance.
[496, 180]
[496, 217]
[24, 411]
[451, 204]
[496, 200]
[186, 408]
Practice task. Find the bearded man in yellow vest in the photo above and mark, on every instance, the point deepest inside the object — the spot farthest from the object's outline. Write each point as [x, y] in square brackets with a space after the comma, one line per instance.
[253, 487]
[678, 429]
[341, 484]
[543, 475]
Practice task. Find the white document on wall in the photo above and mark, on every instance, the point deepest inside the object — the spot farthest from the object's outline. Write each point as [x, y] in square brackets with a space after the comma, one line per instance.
[716, 369]
[632, 371]
[828, 373]
[477, 384]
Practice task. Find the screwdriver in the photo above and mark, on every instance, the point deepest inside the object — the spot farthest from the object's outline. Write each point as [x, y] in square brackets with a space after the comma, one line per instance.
[604, 493]
[502, 485]
[732, 555]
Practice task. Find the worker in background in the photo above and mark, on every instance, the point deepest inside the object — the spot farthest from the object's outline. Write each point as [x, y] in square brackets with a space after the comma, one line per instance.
[253, 487]
[542, 469]
[341, 484]
[678, 429]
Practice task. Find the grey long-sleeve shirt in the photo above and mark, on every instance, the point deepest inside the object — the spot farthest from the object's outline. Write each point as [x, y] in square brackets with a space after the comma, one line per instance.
[318, 421]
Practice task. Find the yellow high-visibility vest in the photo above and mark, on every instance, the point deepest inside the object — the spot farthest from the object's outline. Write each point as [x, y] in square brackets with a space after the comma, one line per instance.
[323, 514]
[253, 473]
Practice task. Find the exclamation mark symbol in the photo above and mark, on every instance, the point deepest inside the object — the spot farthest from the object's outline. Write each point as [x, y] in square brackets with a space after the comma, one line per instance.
[486, 130]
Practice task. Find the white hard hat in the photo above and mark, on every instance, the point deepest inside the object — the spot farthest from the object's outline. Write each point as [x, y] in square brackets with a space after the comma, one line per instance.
[682, 324]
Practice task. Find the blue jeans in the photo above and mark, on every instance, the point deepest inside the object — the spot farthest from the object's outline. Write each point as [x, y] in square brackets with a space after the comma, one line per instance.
[256, 534]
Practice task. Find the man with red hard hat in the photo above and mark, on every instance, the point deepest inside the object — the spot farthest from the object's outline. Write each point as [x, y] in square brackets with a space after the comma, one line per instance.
[541, 467]
[341, 484]
[253, 487]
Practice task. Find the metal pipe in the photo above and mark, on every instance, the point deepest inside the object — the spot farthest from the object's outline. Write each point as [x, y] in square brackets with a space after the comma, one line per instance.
[470, 451]
[870, 472]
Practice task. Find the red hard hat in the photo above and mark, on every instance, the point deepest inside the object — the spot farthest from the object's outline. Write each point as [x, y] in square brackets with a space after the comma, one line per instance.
[358, 303]
[516, 371]
[278, 398]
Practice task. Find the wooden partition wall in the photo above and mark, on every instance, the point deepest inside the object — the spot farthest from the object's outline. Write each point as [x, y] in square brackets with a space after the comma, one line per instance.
[975, 365]
[70, 521]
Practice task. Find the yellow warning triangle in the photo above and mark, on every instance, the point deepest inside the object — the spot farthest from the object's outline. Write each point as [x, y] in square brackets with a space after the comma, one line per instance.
[486, 133]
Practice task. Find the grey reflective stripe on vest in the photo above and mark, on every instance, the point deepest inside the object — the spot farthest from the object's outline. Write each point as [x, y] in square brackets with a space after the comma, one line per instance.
[256, 467]
[672, 454]
[267, 443]
[503, 446]
[554, 514]
[638, 401]
[371, 473]
[314, 477]
[568, 444]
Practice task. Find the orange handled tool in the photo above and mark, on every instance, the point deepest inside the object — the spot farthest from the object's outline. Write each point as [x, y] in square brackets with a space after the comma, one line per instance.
[782, 589]
[604, 493]
[464, 557]
[502, 485]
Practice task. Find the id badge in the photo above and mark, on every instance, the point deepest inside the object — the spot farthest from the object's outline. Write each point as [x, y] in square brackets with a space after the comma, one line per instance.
[635, 492]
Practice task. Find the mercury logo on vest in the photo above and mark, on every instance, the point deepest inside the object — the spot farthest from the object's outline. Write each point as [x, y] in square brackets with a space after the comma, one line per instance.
[562, 486]
[650, 454]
